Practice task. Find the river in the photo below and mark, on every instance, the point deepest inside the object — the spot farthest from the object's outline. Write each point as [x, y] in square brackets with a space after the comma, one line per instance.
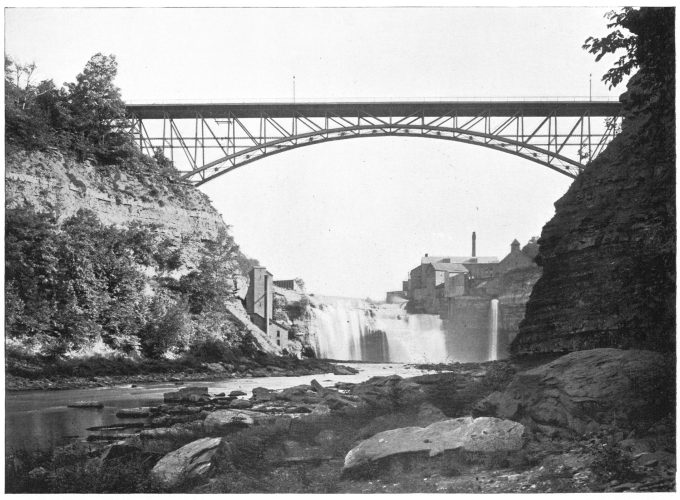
[41, 419]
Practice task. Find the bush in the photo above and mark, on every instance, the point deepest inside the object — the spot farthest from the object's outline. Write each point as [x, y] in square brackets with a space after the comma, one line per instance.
[168, 326]
[211, 351]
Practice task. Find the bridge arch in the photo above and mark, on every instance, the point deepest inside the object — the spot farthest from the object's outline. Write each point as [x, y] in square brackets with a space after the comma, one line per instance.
[559, 136]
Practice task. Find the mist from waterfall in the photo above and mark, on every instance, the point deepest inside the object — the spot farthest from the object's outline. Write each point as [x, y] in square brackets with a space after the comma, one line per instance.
[353, 329]
[493, 330]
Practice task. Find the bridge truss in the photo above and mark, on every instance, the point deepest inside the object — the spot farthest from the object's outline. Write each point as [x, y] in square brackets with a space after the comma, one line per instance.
[205, 141]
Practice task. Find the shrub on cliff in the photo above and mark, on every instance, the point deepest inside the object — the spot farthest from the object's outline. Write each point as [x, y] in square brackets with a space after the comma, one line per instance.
[68, 286]
[85, 117]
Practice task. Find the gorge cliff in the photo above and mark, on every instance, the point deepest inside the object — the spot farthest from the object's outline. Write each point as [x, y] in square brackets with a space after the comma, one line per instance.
[164, 284]
[608, 254]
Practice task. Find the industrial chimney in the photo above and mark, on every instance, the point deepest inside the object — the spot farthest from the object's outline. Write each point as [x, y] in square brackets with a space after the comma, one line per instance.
[474, 244]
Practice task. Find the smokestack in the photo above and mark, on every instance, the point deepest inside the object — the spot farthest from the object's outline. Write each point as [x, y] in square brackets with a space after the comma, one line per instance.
[474, 244]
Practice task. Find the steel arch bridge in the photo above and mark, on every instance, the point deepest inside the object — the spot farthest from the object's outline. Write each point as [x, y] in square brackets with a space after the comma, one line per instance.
[205, 141]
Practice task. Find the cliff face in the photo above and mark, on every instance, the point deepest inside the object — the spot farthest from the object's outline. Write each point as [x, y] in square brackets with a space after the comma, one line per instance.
[608, 255]
[514, 291]
[55, 183]
[52, 182]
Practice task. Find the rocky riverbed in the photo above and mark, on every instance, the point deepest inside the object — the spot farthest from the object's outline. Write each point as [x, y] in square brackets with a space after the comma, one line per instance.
[24, 375]
[441, 432]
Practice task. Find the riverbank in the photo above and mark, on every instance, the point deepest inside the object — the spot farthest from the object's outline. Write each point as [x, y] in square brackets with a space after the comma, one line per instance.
[315, 439]
[25, 373]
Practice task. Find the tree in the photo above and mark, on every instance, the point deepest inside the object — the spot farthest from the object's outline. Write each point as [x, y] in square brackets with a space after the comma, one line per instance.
[649, 44]
[32, 112]
[96, 110]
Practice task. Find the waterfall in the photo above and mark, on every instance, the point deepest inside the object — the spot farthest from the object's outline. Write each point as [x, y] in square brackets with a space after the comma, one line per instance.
[353, 329]
[493, 330]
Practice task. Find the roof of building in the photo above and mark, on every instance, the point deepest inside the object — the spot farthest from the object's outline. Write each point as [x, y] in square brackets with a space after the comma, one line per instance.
[458, 260]
[450, 267]
[252, 270]
[484, 261]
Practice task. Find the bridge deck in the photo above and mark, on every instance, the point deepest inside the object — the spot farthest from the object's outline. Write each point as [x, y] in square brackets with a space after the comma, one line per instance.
[404, 108]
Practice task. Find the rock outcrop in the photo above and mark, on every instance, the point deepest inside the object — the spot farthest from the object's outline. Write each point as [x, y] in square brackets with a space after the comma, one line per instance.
[608, 254]
[514, 288]
[586, 389]
[53, 182]
[189, 461]
[482, 434]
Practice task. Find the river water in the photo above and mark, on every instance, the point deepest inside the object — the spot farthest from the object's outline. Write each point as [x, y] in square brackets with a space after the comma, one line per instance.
[41, 419]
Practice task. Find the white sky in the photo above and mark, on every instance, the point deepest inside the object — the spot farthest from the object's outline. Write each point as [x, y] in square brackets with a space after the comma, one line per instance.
[351, 217]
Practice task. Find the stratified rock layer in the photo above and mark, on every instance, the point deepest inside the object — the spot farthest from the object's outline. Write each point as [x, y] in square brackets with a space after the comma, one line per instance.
[608, 254]
[583, 390]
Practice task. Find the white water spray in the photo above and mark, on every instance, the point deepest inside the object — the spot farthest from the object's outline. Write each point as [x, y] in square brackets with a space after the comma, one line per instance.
[493, 330]
[353, 329]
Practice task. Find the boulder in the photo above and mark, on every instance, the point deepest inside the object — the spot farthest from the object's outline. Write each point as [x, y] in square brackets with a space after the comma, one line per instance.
[317, 387]
[585, 389]
[222, 420]
[343, 370]
[236, 393]
[240, 404]
[192, 394]
[263, 394]
[191, 460]
[484, 434]
[335, 401]
[296, 393]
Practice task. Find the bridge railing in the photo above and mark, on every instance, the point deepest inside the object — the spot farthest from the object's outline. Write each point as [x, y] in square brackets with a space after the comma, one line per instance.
[322, 100]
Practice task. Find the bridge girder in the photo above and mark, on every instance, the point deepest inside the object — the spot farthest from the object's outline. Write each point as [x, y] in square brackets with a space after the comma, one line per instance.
[562, 136]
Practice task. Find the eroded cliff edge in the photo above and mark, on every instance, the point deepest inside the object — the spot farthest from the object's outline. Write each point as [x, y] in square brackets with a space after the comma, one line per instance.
[608, 254]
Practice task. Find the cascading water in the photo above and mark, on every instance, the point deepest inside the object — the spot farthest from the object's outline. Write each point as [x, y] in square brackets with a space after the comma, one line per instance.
[493, 330]
[353, 329]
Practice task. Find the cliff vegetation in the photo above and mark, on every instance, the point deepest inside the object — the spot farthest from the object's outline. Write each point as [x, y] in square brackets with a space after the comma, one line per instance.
[107, 252]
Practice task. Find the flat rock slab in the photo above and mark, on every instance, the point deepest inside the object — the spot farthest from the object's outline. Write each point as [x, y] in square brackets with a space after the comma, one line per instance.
[86, 404]
[225, 419]
[143, 412]
[484, 434]
[189, 461]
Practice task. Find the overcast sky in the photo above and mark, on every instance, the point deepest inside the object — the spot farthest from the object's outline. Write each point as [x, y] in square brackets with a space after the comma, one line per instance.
[350, 217]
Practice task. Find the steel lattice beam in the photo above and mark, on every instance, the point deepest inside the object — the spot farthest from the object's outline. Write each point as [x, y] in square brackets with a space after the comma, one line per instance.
[218, 138]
